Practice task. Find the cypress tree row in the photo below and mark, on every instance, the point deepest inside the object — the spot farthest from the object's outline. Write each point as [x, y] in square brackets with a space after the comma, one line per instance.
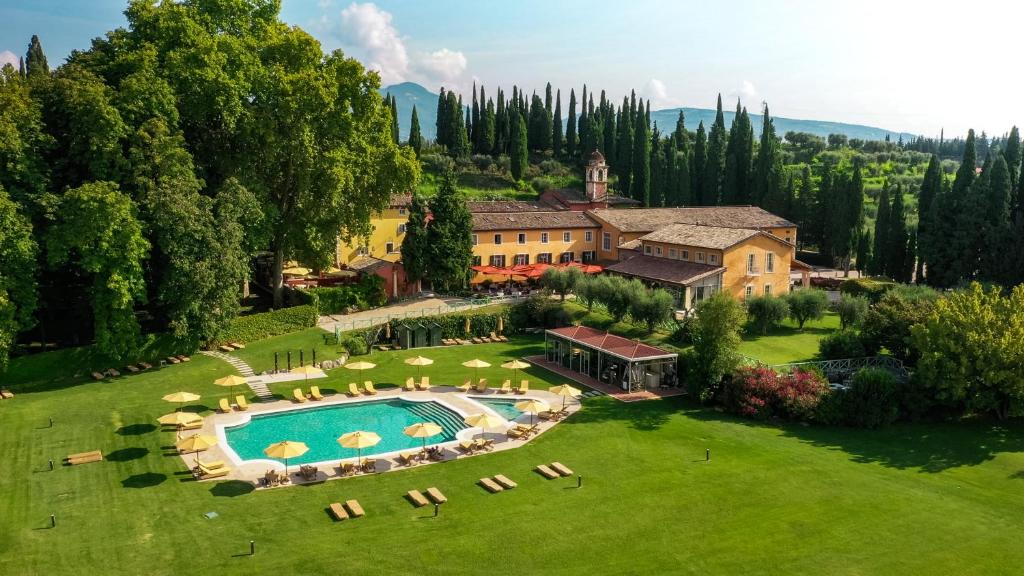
[878, 253]
[415, 136]
[520, 156]
[570, 127]
[556, 130]
[641, 186]
[897, 237]
[739, 154]
[931, 185]
[715, 163]
[698, 166]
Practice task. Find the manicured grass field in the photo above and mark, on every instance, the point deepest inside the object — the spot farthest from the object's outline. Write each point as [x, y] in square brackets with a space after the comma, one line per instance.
[913, 499]
[787, 343]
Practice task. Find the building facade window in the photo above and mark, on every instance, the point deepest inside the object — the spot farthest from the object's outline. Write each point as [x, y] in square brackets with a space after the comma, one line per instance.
[712, 258]
[521, 238]
[566, 257]
[544, 258]
[789, 239]
[390, 247]
[588, 235]
[657, 250]
[700, 257]
[401, 228]
[476, 260]
[543, 237]
[497, 239]
[401, 211]
[769, 262]
[606, 241]
[647, 249]
[476, 239]
[521, 260]
[672, 253]
[498, 260]
[588, 256]
[751, 263]
[748, 291]
[566, 236]
[767, 289]
[686, 255]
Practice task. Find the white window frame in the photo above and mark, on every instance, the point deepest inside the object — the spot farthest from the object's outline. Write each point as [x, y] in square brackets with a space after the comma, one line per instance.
[497, 260]
[562, 257]
[748, 291]
[401, 211]
[402, 228]
[769, 262]
[606, 241]
[673, 253]
[476, 239]
[700, 257]
[588, 236]
[657, 250]
[767, 289]
[685, 256]
[544, 258]
[712, 258]
[521, 238]
[544, 237]
[521, 259]
[389, 247]
[751, 263]
[647, 249]
[566, 236]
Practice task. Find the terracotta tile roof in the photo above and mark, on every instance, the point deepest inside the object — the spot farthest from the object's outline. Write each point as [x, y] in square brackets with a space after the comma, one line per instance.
[502, 206]
[574, 196]
[610, 343]
[713, 237]
[664, 269]
[367, 264]
[400, 201]
[531, 220]
[651, 219]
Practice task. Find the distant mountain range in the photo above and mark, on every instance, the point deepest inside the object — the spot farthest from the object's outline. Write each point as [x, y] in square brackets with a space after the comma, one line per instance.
[408, 94]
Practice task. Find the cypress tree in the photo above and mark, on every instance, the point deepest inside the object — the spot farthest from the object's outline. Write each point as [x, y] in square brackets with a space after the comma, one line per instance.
[790, 202]
[611, 150]
[853, 212]
[21, 66]
[641, 187]
[911, 261]
[557, 143]
[519, 150]
[415, 137]
[570, 127]
[624, 159]
[457, 125]
[547, 130]
[739, 154]
[581, 129]
[35, 59]
[879, 257]
[804, 210]
[768, 192]
[684, 197]
[474, 123]
[681, 137]
[698, 165]
[714, 171]
[502, 129]
[415, 247]
[966, 215]
[670, 172]
[394, 122]
[449, 236]
[591, 141]
[896, 240]
[997, 229]
[656, 163]
[1012, 154]
[931, 185]
[487, 128]
[441, 120]
[864, 251]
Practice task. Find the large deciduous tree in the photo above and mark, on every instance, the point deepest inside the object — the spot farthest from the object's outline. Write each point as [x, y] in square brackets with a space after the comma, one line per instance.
[17, 274]
[716, 340]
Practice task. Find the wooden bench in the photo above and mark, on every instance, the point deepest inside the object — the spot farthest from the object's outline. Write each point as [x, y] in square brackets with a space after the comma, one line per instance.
[490, 485]
[354, 508]
[505, 482]
[436, 495]
[417, 498]
[6, 394]
[546, 472]
[338, 511]
[84, 458]
[561, 469]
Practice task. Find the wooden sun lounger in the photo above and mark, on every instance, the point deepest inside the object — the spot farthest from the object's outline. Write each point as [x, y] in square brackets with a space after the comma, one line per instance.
[173, 360]
[506, 387]
[184, 358]
[195, 426]
[436, 495]
[546, 472]
[206, 472]
[113, 373]
[6, 394]
[490, 485]
[368, 387]
[84, 458]
[417, 498]
[225, 348]
[477, 340]
[338, 511]
[481, 386]
[131, 369]
[298, 396]
[423, 384]
[408, 458]
[241, 402]
[314, 393]
[466, 386]
[212, 465]
[524, 387]
[505, 482]
[145, 365]
[354, 390]
[237, 345]
[467, 446]
[354, 508]
[410, 384]
[515, 432]
[561, 469]
[98, 376]
[224, 406]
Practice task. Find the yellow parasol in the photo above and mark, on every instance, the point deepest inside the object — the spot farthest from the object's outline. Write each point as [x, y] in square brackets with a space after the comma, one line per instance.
[196, 443]
[361, 365]
[515, 366]
[295, 271]
[565, 391]
[476, 364]
[230, 382]
[285, 450]
[418, 362]
[307, 370]
[484, 420]
[181, 398]
[359, 440]
[422, 430]
[501, 324]
[532, 407]
[180, 419]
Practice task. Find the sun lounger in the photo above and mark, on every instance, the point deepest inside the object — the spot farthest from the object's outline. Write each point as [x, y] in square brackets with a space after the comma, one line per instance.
[467, 446]
[354, 508]
[173, 360]
[225, 407]
[524, 387]
[338, 511]
[195, 426]
[113, 373]
[368, 387]
[241, 402]
[131, 369]
[145, 365]
[505, 482]
[481, 386]
[98, 376]
[506, 387]
[561, 469]
[84, 458]
[6, 394]
[417, 498]
[225, 348]
[298, 396]
[477, 340]
[490, 485]
[546, 472]
[212, 465]
[314, 393]
[498, 337]
[407, 458]
[485, 339]
[354, 390]
[515, 432]
[183, 358]
[436, 495]
[346, 468]
[205, 472]
[410, 384]
[466, 386]
[369, 465]
[237, 345]
[423, 384]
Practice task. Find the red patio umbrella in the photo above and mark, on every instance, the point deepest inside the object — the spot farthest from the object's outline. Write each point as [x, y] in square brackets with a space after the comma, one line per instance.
[585, 268]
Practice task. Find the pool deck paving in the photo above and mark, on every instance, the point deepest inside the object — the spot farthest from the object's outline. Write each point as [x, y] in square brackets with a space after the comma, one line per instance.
[253, 471]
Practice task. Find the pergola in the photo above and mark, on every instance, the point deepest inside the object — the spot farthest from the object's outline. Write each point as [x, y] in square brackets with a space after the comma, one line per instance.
[610, 359]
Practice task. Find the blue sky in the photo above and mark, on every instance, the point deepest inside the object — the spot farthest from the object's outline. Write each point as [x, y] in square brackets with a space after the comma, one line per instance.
[883, 63]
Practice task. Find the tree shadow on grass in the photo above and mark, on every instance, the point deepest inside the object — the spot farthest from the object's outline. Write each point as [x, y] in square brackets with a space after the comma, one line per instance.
[126, 454]
[136, 429]
[144, 480]
[231, 489]
[928, 447]
[1018, 475]
[644, 416]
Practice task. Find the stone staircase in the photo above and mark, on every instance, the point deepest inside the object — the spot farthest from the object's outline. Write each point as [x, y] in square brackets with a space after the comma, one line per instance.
[258, 387]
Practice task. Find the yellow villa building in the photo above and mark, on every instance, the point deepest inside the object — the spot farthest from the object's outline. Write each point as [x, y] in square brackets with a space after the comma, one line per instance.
[385, 241]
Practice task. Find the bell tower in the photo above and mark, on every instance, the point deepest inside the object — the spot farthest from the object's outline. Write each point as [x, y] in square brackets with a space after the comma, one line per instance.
[597, 177]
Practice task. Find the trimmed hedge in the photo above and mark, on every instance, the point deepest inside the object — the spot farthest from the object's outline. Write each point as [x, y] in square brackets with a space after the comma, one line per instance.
[367, 293]
[872, 288]
[258, 326]
[453, 324]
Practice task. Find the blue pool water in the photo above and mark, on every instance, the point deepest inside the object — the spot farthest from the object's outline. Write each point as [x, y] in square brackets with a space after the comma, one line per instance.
[319, 428]
[505, 408]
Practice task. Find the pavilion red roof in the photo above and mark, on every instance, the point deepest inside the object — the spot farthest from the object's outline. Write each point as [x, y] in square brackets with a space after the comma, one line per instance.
[617, 345]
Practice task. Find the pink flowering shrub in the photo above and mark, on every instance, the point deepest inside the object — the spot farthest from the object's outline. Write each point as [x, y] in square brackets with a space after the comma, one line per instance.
[761, 393]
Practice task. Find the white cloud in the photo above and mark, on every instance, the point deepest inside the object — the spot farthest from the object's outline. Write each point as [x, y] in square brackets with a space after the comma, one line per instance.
[746, 92]
[657, 93]
[369, 28]
[444, 65]
[8, 57]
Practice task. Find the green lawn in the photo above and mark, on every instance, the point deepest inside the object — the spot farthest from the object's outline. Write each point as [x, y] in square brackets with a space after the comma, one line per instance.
[788, 343]
[789, 499]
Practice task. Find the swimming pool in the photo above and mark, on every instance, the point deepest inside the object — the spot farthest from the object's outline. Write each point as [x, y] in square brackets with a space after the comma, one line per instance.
[506, 408]
[320, 427]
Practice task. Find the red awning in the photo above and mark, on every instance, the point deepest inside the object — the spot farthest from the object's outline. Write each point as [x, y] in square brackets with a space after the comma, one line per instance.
[585, 268]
